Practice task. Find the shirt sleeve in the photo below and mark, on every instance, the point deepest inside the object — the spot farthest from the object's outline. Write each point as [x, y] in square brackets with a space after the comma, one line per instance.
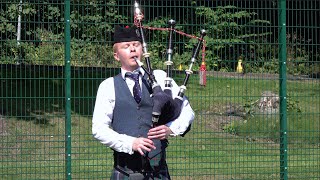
[102, 119]
[186, 117]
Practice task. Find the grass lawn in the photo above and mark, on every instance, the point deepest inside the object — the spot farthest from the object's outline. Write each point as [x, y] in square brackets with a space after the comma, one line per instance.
[219, 146]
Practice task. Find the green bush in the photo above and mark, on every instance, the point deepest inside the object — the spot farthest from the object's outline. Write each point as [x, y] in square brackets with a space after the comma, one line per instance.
[231, 128]
[229, 30]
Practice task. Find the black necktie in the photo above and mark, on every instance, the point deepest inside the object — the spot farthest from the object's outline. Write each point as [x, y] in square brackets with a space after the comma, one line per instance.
[136, 88]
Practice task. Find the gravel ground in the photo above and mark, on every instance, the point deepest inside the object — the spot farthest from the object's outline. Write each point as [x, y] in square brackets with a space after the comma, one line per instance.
[3, 126]
[259, 75]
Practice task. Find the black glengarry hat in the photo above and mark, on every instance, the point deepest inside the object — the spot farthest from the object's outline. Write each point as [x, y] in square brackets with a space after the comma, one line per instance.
[126, 34]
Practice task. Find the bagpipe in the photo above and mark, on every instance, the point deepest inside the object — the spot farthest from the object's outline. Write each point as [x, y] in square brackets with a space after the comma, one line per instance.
[165, 108]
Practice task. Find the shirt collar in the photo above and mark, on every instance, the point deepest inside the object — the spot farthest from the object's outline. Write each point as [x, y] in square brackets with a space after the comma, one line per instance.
[139, 70]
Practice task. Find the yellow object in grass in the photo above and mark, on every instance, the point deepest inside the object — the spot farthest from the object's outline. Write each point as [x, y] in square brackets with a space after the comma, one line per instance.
[239, 66]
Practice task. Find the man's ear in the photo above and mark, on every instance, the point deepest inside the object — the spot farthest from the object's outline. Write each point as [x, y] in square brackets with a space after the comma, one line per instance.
[116, 57]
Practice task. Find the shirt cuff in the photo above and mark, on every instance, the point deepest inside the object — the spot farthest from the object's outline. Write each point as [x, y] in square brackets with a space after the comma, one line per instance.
[129, 146]
[175, 130]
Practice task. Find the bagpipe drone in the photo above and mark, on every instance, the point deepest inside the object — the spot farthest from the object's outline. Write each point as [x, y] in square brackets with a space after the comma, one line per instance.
[165, 108]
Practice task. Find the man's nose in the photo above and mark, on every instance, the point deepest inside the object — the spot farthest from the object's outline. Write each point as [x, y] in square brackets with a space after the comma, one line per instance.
[132, 48]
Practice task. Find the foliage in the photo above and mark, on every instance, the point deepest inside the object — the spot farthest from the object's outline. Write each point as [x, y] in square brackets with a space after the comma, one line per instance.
[157, 45]
[250, 108]
[92, 22]
[229, 31]
[7, 28]
[298, 58]
[43, 35]
[231, 128]
[293, 104]
[155, 41]
[91, 54]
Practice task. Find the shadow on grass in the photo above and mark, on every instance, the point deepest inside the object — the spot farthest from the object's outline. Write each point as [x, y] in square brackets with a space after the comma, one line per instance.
[33, 93]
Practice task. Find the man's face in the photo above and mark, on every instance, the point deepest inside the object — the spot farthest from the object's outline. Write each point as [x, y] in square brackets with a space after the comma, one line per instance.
[125, 53]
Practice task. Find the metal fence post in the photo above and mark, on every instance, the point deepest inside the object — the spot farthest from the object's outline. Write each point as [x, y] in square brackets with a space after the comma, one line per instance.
[283, 91]
[67, 92]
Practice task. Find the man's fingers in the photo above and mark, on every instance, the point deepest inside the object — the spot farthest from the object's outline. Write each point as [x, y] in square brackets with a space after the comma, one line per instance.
[140, 151]
[159, 132]
[143, 144]
[160, 136]
[147, 141]
[156, 128]
[147, 146]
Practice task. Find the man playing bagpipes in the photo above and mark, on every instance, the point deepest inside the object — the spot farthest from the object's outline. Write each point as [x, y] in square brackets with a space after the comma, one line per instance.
[124, 108]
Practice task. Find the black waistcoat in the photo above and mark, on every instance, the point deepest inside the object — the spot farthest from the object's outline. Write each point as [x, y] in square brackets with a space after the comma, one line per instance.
[131, 118]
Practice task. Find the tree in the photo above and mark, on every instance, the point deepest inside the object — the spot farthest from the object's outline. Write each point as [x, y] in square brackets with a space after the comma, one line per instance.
[230, 31]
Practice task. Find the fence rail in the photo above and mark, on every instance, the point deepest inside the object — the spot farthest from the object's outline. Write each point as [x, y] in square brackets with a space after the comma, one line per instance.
[255, 120]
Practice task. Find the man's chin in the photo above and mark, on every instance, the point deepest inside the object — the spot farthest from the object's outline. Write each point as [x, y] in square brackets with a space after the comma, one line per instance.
[134, 67]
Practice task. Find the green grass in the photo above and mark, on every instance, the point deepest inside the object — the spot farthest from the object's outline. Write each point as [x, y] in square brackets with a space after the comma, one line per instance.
[33, 146]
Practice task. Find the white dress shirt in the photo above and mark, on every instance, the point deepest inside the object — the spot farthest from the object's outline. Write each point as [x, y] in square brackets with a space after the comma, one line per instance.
[103, 112]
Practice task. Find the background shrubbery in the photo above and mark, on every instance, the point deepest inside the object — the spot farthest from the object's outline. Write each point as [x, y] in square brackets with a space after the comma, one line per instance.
[232, 33]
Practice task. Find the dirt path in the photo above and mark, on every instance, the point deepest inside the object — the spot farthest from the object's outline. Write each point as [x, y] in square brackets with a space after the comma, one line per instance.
[3, 126]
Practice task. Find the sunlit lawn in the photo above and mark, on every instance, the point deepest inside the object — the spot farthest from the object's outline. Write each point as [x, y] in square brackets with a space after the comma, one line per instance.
[33, 146]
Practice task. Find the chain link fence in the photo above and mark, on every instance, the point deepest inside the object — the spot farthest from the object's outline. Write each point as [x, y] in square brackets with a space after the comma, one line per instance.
[257, 117]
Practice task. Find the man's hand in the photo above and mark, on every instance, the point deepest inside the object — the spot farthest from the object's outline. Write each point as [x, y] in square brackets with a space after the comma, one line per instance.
[143, 144]
[159, 132]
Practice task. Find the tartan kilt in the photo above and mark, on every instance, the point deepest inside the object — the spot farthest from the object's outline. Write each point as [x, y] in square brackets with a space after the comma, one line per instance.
[158, 170]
